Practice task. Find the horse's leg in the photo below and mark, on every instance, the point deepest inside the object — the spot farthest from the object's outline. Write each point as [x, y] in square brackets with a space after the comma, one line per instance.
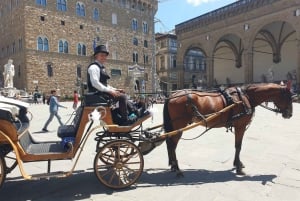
[171, 146]
[239, 134]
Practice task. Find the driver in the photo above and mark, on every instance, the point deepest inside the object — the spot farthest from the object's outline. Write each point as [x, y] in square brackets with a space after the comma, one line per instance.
[97, 81]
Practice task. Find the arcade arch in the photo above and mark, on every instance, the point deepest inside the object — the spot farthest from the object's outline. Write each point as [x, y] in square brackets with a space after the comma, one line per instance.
[227, 59]
[194, 65]
[274, 52]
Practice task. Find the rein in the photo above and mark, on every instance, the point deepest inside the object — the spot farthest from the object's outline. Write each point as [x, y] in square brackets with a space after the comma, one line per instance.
[276, 110]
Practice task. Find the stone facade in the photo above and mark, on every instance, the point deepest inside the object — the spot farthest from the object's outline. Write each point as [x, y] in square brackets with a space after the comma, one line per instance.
[242, 43]
[23, 22]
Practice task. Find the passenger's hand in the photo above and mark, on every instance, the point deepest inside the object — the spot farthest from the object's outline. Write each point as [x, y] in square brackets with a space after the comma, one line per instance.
[121, 90]
[115, 93]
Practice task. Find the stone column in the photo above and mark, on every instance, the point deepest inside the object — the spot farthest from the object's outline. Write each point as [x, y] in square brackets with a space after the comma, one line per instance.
[210, 71]
[248, 65]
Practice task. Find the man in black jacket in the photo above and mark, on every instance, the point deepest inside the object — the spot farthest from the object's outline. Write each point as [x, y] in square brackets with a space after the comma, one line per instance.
[97, 81]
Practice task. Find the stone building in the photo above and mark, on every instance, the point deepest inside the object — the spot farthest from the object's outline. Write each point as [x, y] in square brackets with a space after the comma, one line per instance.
[245, 42]
[166, 67]
[51, 42]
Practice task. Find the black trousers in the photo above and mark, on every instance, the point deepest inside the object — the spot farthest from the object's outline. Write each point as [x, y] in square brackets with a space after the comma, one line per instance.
[125, 106]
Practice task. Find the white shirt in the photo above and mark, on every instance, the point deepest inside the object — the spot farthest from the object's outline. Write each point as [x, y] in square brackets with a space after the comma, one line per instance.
[94, 72]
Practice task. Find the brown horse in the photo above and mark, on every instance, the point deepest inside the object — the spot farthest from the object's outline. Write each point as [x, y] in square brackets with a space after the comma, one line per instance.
[189, 106]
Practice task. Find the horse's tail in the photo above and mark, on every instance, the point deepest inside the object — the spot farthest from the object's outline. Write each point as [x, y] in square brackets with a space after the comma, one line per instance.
[167, 120]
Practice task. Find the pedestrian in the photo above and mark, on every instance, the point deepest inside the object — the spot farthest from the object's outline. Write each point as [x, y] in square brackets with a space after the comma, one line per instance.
[44, 98]
[53, 108]
[75, 100]
[97, 78]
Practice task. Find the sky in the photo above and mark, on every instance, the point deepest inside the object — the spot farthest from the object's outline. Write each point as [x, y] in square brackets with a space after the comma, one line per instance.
[173, 12]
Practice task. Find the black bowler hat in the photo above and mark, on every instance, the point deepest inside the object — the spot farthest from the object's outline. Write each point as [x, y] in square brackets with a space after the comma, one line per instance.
[100, 48]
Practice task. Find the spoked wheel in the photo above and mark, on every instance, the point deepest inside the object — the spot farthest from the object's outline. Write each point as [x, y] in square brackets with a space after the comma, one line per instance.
[2, 170]
[118, 164]
[10, 163]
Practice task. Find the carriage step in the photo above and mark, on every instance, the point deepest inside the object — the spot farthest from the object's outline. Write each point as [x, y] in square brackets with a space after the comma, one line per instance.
[58, 174]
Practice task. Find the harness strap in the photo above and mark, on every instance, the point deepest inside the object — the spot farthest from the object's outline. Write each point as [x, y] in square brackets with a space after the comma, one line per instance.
[195, 110]
[242, 96]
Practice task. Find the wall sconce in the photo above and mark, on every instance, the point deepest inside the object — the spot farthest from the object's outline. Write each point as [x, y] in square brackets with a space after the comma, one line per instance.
[207, 37]
[246, 27]
[297, 12]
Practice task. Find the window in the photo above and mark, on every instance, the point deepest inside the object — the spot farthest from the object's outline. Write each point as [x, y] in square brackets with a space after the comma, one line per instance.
[14, 48]
[194, 60]
[145, 59]
[115, 72]
[49, 70]
[145, 27]
[145, 43]
[134, 25]
[62, 22]
[135, 41]
[42, 18]
[41, 2]
[114, 55]
[96, 15]
[114, 18]
[78, 71]
[80, 9]
[42, 44]
[173, 43]
[61, 5]
[173, 61]
[20, 44]
[135, 57]
[81, 49]
[63, 46]
[162, 62]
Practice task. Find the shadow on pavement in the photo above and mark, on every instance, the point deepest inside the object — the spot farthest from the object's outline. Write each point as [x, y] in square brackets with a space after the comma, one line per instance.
[158, 177]
[83, 185]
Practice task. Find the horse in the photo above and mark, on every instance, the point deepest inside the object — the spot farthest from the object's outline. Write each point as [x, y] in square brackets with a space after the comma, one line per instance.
[186, 107]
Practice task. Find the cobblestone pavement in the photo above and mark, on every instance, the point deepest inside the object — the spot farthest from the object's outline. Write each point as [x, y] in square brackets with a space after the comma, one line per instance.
[270, 152]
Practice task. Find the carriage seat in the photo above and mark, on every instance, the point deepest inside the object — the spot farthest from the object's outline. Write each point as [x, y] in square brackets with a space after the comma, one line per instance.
[95, 99]
[71, 130]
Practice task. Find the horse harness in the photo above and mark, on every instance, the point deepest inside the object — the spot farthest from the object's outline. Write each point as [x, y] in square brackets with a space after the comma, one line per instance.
[229, 97]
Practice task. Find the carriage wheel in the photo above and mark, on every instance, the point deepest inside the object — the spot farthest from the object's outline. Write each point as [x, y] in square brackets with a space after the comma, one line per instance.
[2, 170]
[10, 163]
[118, 164]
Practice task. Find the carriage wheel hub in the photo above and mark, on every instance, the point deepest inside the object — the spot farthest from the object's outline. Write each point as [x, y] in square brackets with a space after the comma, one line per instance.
[119, 165]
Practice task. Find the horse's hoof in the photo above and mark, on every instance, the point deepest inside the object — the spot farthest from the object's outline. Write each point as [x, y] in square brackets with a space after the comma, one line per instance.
[173, 169]
[240, 172]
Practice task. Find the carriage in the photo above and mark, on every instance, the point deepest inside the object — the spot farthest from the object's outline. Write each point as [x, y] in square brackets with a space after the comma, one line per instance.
[118, 162]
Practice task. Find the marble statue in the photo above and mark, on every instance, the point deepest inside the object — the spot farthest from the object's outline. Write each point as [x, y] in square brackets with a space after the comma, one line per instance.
[9, 73]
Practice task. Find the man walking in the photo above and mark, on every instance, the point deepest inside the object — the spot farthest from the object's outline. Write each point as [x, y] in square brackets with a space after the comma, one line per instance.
[53, 107]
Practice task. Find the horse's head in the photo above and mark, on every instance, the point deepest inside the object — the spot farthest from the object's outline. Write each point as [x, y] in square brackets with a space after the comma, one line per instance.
[284, 102]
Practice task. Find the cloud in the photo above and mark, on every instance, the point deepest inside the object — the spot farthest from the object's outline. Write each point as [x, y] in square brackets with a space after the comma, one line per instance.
[198, 2]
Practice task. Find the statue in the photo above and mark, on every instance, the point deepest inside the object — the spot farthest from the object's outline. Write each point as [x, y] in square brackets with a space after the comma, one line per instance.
[9, 72]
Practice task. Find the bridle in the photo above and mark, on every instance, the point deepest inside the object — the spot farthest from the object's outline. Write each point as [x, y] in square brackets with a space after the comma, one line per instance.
[276, 109]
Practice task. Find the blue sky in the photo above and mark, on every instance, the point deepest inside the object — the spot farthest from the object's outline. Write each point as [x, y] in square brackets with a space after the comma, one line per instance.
[172, 12]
